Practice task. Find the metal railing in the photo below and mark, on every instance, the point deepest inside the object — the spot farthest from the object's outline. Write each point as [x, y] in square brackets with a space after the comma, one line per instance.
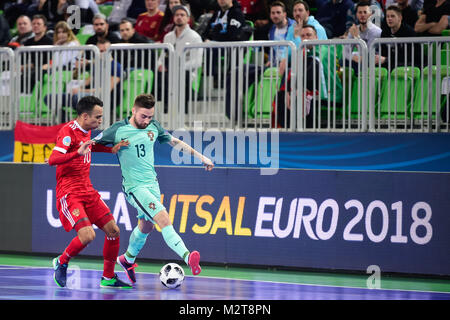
[140, 73]
[6, 88]
[235, 86]
[329, 84]
[406, 92]
[239, 84]
[47, 81]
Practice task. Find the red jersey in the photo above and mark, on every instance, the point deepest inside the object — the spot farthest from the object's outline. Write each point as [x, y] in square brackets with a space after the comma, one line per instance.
[148, 25]
[73, 175]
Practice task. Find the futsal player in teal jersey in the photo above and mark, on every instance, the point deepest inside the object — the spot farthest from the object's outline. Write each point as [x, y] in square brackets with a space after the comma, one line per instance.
[138, 135]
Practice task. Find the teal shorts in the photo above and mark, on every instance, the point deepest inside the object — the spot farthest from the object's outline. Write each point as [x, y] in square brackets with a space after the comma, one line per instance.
[147, 201]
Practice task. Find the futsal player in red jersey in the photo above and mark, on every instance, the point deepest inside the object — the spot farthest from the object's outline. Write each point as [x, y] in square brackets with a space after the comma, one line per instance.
[78, 203]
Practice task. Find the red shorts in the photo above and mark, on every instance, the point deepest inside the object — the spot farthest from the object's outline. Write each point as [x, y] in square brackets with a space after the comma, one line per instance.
[80, 210]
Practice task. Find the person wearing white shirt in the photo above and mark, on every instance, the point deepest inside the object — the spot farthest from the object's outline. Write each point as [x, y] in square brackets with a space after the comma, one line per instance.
[181, 35]
[365, 30]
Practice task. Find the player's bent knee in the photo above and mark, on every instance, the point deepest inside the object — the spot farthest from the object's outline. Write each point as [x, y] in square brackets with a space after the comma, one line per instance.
[114, 233]
[162, 219]
[86, 235]
[146, 226]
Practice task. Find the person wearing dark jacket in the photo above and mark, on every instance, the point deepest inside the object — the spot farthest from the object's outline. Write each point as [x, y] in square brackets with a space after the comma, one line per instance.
[227, 23]
[137, 58]
[394, 55]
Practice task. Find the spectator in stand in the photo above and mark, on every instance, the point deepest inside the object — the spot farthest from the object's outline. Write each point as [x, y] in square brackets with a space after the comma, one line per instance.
[257, 11]
[33, 61]
[409, 15]
[302, 17]
[365, 30]
[39, 28]
[226, 23]
[129, 35]
[376, 16]
[147, 23]
[279, 30]
[313, 77]
[53, 10]
[24, 32]
[167, 23]
[179, 36]
[332, 15]
[101, 29]
[63, 36]
[394, 56]
[434, 18]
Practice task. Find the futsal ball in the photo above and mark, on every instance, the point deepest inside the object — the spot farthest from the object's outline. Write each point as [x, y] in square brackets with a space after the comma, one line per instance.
[171, 275]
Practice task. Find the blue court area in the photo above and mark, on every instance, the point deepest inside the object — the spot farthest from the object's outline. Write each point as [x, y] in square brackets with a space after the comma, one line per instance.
[36, 283]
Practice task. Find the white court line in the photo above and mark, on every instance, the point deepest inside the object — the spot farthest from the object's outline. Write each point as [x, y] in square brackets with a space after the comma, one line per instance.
[250, 280]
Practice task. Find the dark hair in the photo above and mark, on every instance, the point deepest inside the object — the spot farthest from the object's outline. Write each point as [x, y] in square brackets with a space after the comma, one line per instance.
[305, 25]
[305, 4]
[87, 104]
[362, 4]
[278, 4]
[396, 9]
[144, 100]
[125, 20]
[102, 41]
[167, 18]
[42, 17]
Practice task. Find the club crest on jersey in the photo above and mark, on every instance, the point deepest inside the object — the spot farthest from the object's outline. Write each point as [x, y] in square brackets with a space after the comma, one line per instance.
[152, 206]
[151, 135]
[76, 212]
[66, 141]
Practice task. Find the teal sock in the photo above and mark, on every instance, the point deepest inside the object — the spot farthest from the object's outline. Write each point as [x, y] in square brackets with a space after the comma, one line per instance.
[135, 245]
[174, 241]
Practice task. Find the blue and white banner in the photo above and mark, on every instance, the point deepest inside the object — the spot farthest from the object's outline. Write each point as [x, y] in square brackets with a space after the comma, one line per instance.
[341, 220]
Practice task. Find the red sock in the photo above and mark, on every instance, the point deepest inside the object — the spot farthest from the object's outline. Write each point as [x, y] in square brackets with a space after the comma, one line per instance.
[110, 253]
[72, 250]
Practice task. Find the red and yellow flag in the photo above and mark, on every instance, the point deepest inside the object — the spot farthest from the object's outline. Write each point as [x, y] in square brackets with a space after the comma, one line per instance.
[34, 143]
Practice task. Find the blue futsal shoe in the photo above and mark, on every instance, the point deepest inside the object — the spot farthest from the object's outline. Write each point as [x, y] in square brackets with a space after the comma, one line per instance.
[60, 275]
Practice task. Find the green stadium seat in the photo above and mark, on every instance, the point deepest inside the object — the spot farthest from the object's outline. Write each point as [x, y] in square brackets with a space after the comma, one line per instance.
[106, 9]
[84, 34]
[397, 99]
[422, 92]
[380, 81]
[261, 105]
[196, 85]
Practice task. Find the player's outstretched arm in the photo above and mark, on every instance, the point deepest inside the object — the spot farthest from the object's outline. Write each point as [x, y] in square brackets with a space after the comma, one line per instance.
[183, 146]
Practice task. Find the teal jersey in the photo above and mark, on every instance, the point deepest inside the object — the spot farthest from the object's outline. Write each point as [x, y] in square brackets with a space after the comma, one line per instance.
[137, 160]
